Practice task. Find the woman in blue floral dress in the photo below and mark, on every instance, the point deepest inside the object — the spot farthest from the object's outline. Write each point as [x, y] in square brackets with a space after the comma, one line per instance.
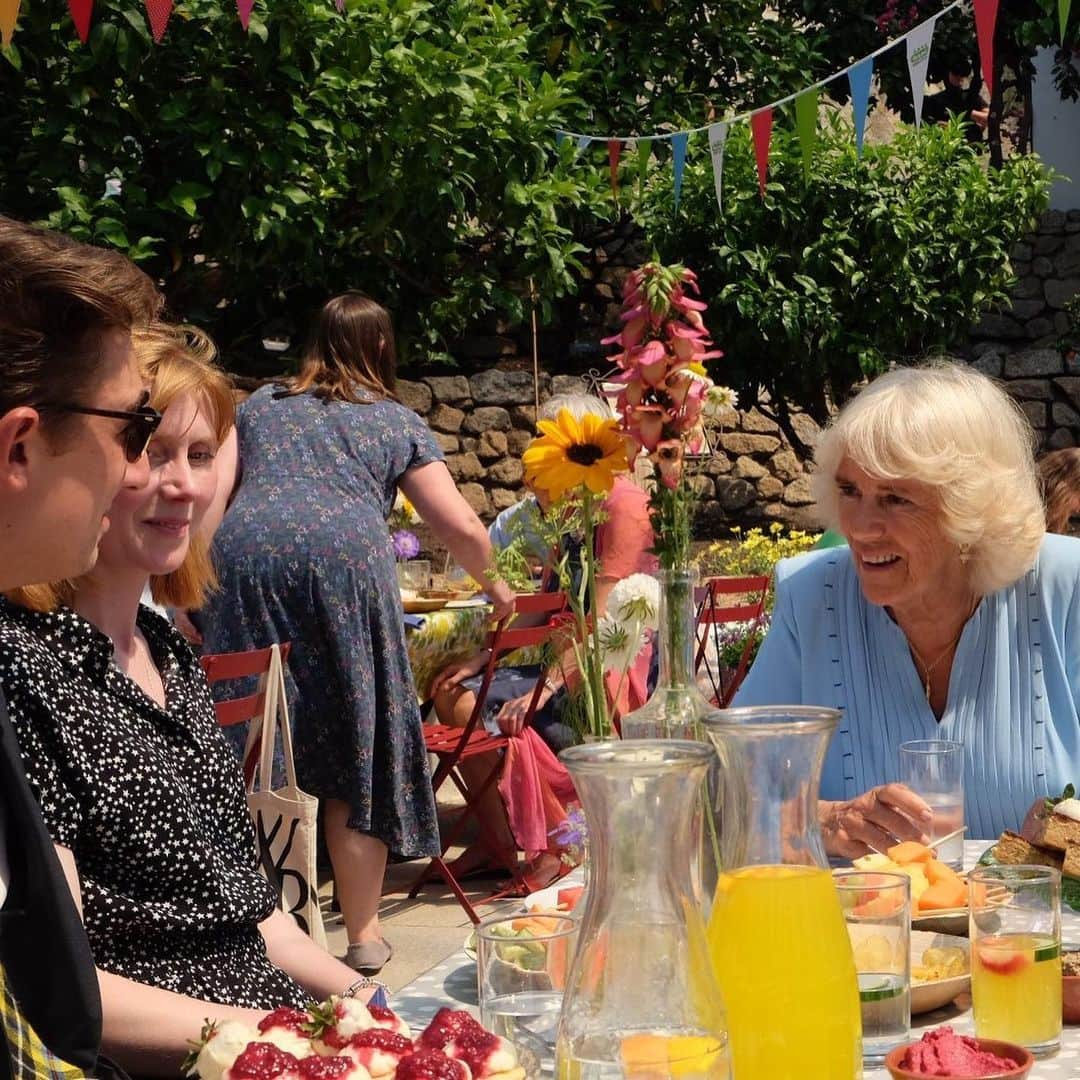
[304, 555]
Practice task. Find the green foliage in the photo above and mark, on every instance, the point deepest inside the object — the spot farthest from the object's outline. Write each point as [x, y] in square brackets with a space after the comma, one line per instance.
[872, 261]
[754, 552]
[404, 148]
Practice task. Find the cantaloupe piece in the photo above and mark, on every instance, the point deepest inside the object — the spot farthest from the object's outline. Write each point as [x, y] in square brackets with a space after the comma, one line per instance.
[937, 871]
[943, 895]
[877, 906]
[910, 851]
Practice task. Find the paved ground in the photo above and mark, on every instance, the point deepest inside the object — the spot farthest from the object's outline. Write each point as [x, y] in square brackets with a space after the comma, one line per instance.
[423, 931]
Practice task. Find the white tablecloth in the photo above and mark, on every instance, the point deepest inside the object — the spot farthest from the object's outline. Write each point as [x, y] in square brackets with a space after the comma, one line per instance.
[453, 982]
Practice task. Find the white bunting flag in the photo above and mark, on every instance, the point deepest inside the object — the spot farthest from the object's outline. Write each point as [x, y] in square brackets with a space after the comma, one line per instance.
[717, 140]
[918, 56]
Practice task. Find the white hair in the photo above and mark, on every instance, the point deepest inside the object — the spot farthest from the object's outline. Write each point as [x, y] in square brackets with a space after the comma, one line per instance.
[578, 405]
[960, 433]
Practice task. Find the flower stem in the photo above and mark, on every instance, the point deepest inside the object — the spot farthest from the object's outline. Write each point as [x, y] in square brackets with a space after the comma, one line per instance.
[596, 668]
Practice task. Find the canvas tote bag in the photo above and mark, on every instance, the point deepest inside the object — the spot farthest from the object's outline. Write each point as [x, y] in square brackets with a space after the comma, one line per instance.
[286, 818]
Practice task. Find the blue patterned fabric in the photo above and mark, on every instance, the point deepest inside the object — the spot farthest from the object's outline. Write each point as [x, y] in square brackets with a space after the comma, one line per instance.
[1013, 691]
[304, 555]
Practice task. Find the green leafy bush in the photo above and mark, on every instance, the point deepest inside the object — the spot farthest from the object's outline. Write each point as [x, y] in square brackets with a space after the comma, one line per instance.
[827, 281]
[753, 552]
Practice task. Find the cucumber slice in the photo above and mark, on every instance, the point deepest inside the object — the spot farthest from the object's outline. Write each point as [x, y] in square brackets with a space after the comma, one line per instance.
[874, 987]
[1047, 952]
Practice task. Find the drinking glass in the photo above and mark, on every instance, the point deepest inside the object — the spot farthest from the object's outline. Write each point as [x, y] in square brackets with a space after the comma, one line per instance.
[1015, 929]
[934, 770]
[877, 909]
[522, 965]
[414, 574]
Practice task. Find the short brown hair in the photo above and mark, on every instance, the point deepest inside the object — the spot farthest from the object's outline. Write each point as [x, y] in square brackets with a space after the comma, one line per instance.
[1059, 478]
[57, 297]
[351, 355]
[177, 360]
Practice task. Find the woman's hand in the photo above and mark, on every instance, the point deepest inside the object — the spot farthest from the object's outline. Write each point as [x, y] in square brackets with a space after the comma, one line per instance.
[873, 821]
[511, 717]
[502, 599]
[455, 674]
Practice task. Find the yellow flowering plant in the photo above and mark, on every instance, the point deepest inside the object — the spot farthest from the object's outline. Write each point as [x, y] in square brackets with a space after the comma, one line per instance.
[753, 552]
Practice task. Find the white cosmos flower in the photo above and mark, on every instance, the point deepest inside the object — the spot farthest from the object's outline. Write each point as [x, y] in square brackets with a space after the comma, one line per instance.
[620, 642]
[228, 1041]
[636, 598]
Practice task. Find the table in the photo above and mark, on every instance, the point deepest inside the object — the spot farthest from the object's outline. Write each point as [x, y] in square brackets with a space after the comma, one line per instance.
[453, 982]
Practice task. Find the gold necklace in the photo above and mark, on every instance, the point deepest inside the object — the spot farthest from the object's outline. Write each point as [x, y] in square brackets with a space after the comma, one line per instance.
[927, 668]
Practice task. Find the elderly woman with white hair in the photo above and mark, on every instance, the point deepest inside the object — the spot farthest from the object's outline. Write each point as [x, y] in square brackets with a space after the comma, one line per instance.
[952, 614]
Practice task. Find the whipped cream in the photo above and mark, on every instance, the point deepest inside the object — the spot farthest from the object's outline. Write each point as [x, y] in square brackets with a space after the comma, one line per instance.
[1069, 808]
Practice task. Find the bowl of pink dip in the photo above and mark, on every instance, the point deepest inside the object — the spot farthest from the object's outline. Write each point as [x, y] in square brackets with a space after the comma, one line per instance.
[943, 1053]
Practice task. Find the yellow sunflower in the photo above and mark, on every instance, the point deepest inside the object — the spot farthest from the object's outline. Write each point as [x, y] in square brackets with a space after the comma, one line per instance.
[571, 453]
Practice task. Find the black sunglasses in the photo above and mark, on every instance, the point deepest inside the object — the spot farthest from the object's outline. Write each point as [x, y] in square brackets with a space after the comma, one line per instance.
[139, 429]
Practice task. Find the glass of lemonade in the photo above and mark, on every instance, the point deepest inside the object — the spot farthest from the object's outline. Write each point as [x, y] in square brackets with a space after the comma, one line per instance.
[1015, 917]
[522, 964]
[877, 910]
[934, 770]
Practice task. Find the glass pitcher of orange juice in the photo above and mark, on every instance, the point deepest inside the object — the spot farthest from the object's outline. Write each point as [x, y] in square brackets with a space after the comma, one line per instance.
[776, 933]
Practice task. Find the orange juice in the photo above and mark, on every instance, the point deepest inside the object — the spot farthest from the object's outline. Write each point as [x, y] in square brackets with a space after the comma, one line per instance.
[783, 959]
[1016, 989]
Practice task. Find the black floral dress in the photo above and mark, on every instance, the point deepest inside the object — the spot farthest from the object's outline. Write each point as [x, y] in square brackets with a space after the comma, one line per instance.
[150, 802]
[304, 555]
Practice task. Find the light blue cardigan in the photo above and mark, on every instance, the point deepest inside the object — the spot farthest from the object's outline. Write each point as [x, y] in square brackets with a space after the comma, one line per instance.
[1013, 691]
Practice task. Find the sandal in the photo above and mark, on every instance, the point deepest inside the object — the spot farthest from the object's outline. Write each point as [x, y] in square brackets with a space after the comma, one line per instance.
[536, 877]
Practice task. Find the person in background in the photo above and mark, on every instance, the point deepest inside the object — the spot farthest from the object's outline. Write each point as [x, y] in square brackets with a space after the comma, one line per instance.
[622, 544]
[304, 556]
[74, 424]
[950, 615]
[1059, 481]
[139, 788]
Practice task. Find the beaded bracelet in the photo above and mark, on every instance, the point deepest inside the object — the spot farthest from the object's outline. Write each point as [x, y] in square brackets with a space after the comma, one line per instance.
[363, 983]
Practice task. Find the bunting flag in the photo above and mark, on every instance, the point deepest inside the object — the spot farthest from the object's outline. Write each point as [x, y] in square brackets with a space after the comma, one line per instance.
[243, 9]
[582, 144]
[560, 136]
[918, 56]
[614, 151]
[340, 5]
[678, 161]
[9, 13]
[717, 141]
[158, 12]
[80, 15]
[761, 127]
[1063, 16]
[985, 20]
[859, 79]
[644, 151]
[806, 114]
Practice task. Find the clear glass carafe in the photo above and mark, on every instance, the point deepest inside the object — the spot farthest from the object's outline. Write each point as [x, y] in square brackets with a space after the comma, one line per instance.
[641, 998]
[779, 945]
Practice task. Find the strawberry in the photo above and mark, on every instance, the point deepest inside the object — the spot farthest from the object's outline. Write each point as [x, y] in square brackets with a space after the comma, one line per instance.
[261, 1061]
[331, 1068]
[291, 1019]
[458, 1035]
[431, 1065]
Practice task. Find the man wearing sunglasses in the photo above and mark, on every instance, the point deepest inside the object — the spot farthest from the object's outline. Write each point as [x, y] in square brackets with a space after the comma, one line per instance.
[73, 425]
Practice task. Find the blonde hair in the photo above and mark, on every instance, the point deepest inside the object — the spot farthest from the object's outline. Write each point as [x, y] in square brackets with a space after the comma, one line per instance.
[578, 405]
[177, 360]
[957, 431]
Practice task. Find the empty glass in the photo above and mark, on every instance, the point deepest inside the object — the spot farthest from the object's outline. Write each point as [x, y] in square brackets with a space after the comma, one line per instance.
[934, 770]
[877, 911]
[414, 575]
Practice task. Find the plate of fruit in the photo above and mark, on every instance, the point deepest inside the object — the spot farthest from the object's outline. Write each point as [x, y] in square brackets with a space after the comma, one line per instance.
[939, 894]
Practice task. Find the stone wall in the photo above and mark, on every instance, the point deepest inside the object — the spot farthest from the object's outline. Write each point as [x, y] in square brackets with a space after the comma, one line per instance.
[483, 423]
[1020, 343]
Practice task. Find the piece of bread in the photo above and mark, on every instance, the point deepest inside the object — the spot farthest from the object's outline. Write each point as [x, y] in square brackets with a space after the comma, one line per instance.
[1013, 849]
[1050, 830]
[1071, 866]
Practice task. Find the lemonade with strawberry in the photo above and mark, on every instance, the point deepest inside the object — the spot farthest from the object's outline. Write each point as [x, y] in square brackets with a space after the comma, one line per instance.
[1016, 955]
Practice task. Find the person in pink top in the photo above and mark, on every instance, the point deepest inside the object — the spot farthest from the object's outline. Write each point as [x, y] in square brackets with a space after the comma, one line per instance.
[622, 543]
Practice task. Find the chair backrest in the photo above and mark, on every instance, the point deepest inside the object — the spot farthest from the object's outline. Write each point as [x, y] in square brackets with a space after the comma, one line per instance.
[240, 665]
[752, 592]
[509, 638]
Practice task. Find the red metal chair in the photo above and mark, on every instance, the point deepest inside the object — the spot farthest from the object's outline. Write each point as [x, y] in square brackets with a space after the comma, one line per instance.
[240, 710]
[453, 745]
[712, 614]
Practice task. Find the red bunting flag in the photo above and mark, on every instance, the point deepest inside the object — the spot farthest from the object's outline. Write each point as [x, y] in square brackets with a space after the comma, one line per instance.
[158, 11]
[243, 9]
[9, 14]
[80, 14]
[614, 151]
[986, 12]
[761, 126]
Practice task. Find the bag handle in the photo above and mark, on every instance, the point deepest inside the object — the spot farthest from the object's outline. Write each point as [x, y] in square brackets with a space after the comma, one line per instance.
[275, 717]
